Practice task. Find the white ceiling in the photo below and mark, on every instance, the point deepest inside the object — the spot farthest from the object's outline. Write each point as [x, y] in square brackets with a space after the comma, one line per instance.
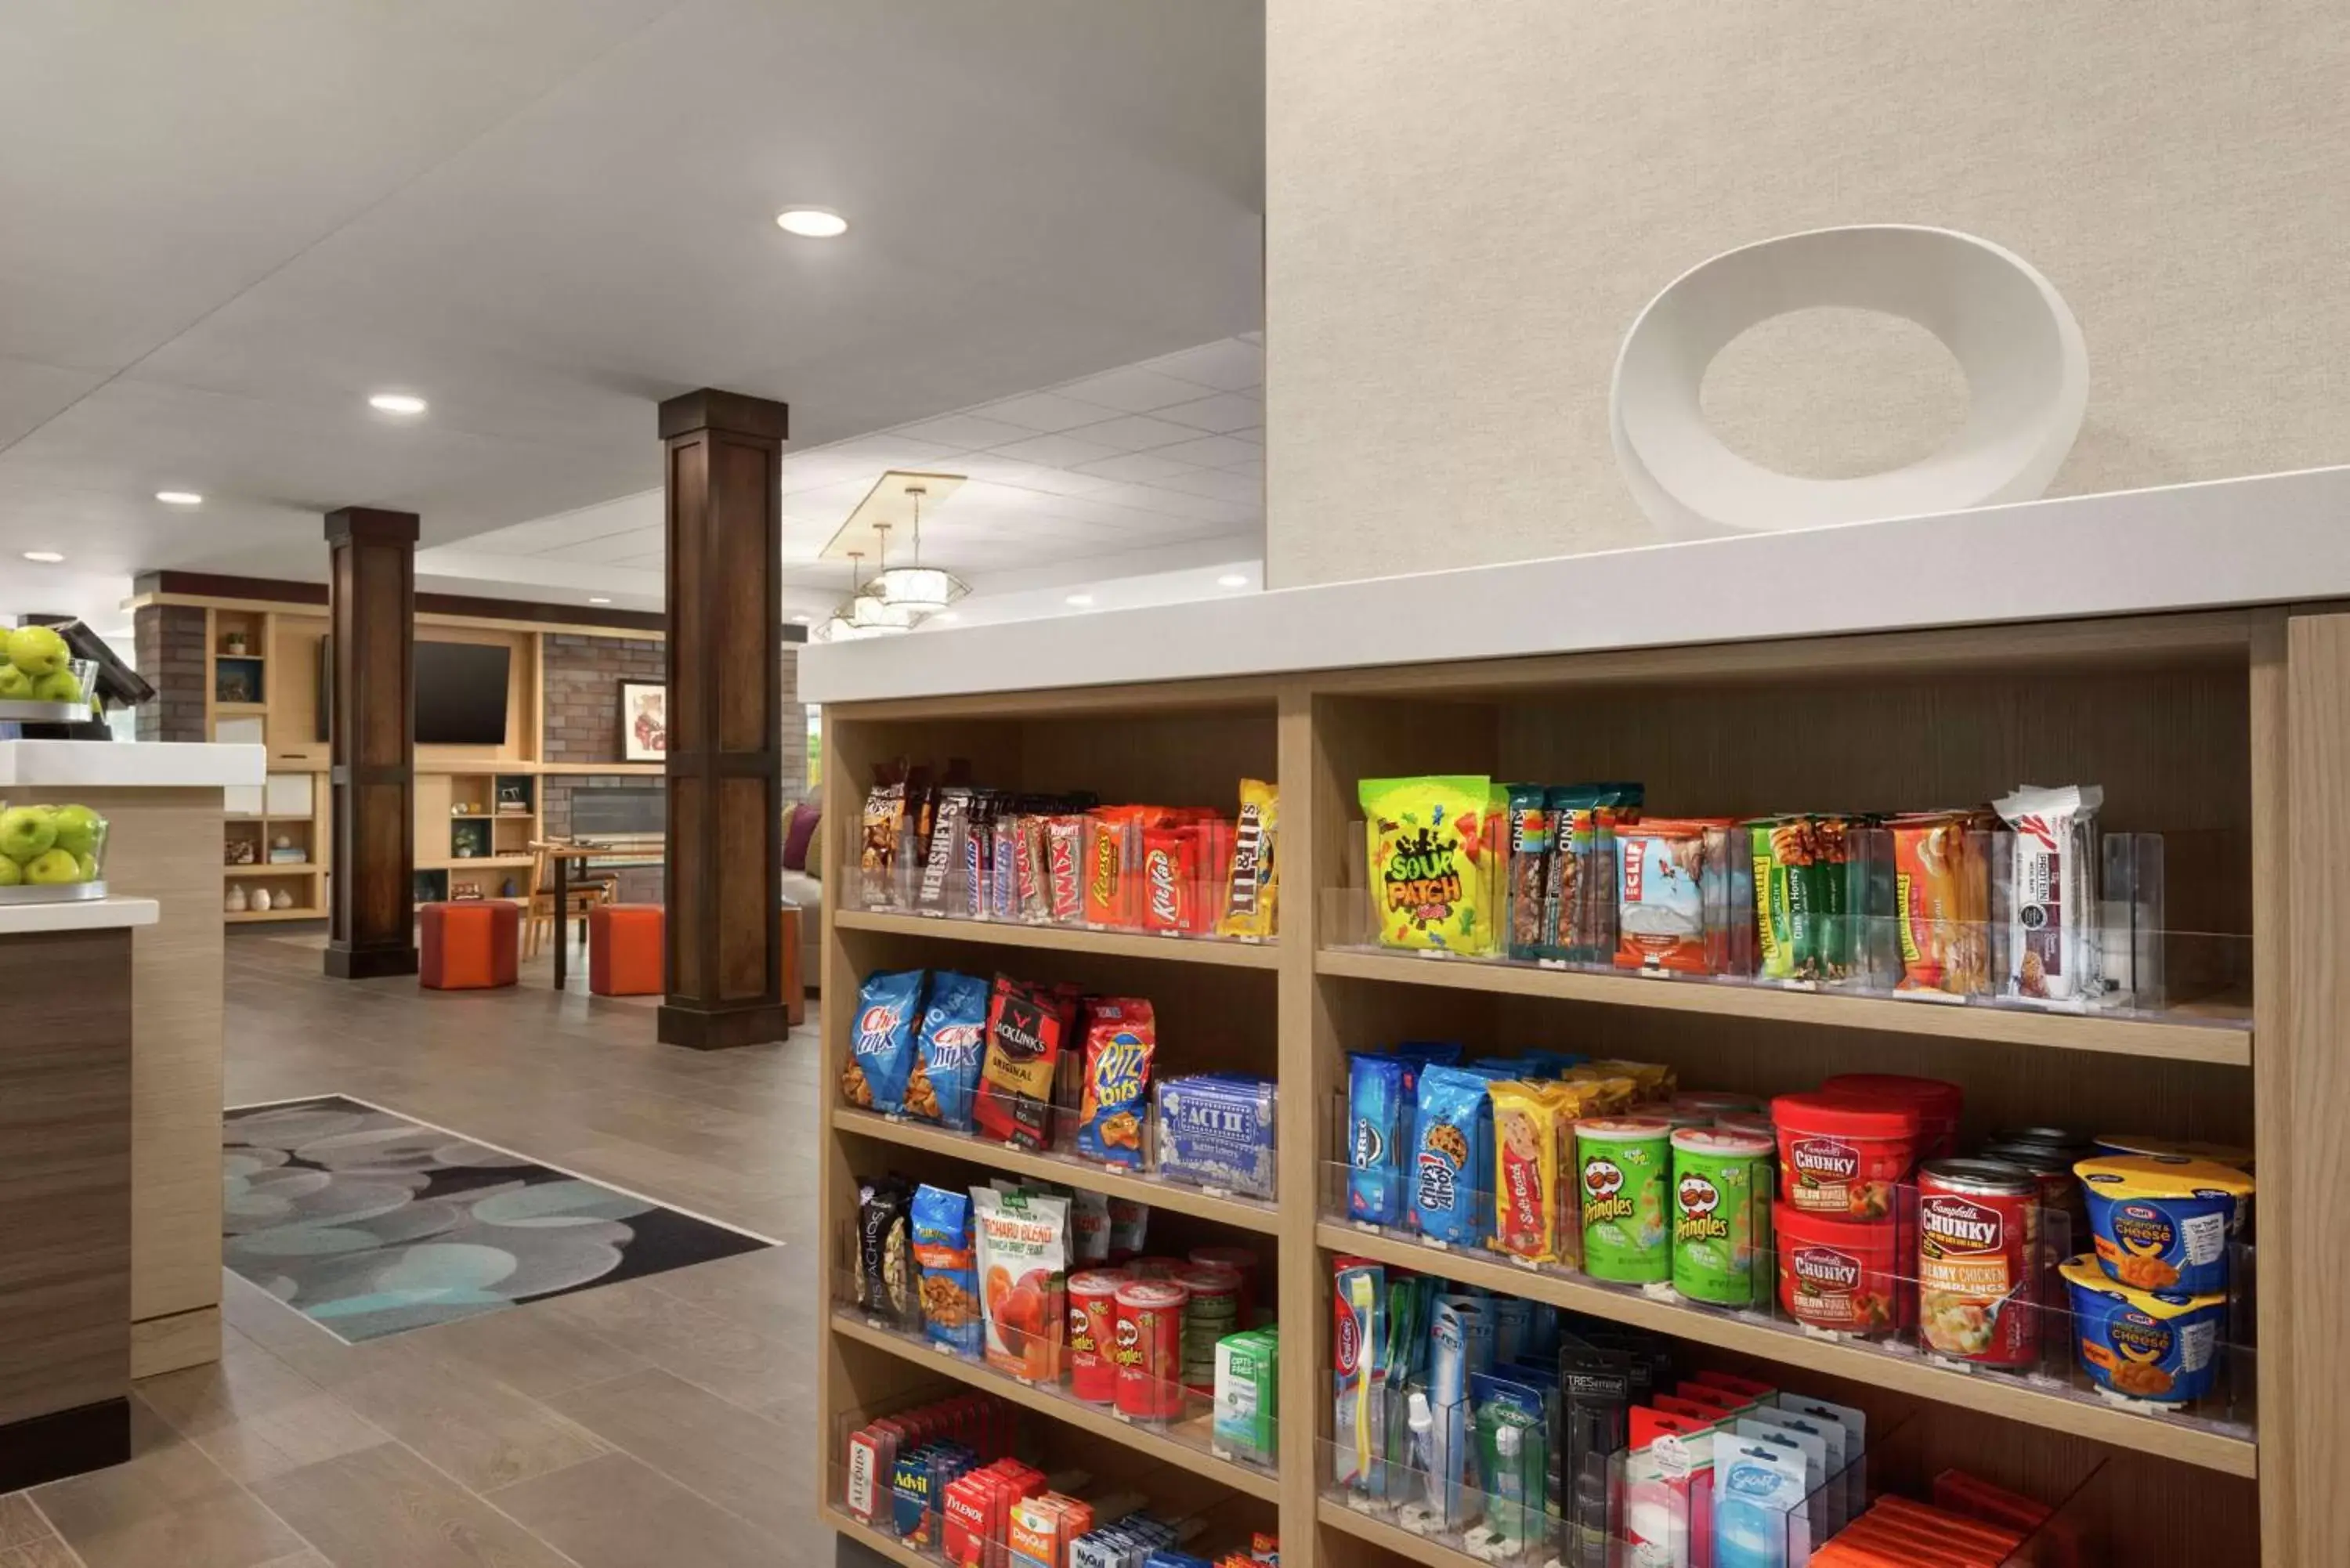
[1168, 452]
[223, 226]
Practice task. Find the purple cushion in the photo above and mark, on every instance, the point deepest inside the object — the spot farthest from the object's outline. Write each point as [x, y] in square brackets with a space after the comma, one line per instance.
[797, 831]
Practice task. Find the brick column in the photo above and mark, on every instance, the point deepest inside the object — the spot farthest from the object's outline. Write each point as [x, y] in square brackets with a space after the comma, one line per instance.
[170, 648]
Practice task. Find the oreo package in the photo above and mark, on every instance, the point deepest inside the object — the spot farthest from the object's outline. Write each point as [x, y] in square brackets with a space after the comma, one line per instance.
[1377, 1087]
[947, 1046]
[881, 1042]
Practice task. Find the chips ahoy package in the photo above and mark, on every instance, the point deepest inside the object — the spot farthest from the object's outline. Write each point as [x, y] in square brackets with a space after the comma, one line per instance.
[1452, 1148]
[882, 1044]
[947, 1046]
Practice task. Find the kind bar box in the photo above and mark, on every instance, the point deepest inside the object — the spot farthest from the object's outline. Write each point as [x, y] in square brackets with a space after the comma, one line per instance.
[1248, 1380]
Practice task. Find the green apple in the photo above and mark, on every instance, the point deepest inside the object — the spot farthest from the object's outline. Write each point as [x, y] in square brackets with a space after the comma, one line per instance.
[53, 870]
[63, 686]
[11, 874]
[77, 828]
[38, 650]
[89, 864]
[15, 686]
[26, 832]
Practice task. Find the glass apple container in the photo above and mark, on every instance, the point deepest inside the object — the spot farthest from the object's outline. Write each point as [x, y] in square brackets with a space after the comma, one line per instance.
[51, 853]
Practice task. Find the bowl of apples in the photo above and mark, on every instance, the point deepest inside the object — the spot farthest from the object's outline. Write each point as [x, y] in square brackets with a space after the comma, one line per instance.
[50, 854]
[41, 682]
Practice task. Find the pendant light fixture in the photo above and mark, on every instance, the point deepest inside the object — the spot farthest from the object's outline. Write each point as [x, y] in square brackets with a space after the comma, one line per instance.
[922, 590]
[861, 614]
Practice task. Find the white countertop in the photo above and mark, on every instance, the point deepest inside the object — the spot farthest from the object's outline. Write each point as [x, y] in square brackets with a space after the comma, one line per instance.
[79, 915]
[2267, 539]
[130, 764]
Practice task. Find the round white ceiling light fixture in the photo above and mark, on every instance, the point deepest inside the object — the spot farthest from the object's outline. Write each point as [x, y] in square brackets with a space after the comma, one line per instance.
[1082, 601]
[179, 498]
[2014, 337]
[46, 557]
[812, 223]
[397, 403]
[594, 599]
[1232, 580]
[922, 590]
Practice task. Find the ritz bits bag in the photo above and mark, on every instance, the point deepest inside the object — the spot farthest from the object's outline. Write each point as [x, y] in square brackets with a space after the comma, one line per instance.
[1253, 881]
[1433, 878]
[1120, 1036]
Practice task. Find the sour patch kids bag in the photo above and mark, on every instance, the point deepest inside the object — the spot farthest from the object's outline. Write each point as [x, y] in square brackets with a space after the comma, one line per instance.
[1431, 862]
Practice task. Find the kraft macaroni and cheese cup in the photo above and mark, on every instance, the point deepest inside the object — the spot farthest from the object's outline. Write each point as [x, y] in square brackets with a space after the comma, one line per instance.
[2163, 1222]
[2157, 1347]
[2138, 1143]
[1721, 1216]
[1624, 1169]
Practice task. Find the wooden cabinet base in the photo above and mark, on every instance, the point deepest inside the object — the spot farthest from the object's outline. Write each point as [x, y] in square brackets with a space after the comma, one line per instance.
[64, 1443]
[723, 1029]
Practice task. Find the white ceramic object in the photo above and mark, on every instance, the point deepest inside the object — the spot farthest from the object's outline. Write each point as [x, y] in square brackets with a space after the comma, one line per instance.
[2012, 333]
[234, 901]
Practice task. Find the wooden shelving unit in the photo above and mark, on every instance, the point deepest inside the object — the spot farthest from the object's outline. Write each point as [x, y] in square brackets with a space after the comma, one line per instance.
[2210, 728]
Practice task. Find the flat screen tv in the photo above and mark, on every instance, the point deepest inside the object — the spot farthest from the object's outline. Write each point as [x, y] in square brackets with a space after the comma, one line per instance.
[460, 694]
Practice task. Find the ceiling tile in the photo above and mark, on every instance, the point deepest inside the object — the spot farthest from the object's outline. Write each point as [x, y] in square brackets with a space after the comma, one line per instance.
[1234, 487]
[1254, 469]
[1055, 450]
[1230, 366]
[1135, 433]
[1224, 412]
[965, 432]
[1131, 390]
[1040, 411]
[1254, 435]
[1138, 467]
[1212, 451]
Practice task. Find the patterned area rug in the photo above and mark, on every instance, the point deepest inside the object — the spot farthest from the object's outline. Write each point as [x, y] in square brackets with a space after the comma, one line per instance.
[368, 1223]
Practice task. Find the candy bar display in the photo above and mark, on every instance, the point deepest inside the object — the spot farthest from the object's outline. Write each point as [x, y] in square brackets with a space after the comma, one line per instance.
[2023, 900]
[964, 850]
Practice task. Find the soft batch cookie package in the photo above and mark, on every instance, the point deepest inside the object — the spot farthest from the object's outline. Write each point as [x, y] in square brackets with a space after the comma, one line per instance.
[2024, 899]
[964, 850]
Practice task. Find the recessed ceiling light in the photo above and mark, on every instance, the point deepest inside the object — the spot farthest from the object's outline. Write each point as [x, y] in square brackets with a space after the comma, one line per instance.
[812, 223]
[1232, 580]
[1080, 601]
[396, 403]
[47, 557]
[179, 498]
[593, 600]
[948, 615]
[799, 620]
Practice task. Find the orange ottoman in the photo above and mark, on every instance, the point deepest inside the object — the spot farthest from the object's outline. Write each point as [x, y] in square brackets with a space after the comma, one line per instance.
[469, 946]
[624, 950]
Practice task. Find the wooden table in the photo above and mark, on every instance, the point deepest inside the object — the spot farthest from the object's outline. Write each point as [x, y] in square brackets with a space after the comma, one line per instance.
[619, 856]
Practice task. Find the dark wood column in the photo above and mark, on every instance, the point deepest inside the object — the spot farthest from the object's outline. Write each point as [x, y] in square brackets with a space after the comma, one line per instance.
[724, 885]
[371, 617]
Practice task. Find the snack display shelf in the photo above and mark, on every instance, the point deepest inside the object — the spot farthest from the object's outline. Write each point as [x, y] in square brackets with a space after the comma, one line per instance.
[1229, 951]
[1379, 1532]
[874, 1541]
[1246, 1214]
[2055, 1409]
[1182, 1444]
[2215, 1031]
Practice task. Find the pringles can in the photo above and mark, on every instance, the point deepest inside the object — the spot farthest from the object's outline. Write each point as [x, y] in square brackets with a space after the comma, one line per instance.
[1149, 1349]
[1093, 1335]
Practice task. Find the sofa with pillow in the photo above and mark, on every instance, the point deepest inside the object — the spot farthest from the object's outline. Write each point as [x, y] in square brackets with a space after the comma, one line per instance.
[804, 885]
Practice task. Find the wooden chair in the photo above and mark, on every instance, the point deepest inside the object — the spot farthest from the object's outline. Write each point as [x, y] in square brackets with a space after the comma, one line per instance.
[539, 913]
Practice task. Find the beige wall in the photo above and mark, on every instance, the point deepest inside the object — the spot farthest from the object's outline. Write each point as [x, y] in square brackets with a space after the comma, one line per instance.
[1469, 200]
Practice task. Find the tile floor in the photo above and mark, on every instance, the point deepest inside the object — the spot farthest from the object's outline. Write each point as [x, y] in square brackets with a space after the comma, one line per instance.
[662, 1422]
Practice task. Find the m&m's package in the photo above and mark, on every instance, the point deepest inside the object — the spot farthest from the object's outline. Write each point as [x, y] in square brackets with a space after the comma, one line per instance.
[1435, 846]
[1252, 879]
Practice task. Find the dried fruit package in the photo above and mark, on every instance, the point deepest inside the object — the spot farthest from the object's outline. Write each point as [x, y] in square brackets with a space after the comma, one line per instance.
[1120, 1036]
[1027, 1026]
[1253, 883]
[1024, 1261]
[1432, 856]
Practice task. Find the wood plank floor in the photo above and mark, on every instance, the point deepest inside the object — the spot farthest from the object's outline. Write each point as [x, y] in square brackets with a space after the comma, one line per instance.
[662, 1420]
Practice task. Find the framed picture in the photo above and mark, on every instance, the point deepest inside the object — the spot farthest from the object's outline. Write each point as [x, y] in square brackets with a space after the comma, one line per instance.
[644, 722]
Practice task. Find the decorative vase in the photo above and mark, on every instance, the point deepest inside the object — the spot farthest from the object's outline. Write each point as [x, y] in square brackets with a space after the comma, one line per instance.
[283, 898]
[235, 901]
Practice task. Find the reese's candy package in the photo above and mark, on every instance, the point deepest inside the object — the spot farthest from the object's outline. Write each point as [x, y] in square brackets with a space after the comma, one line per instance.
[1113, 844]
[881, 1043]
[1253, 882]
[948, 1045]
[1027, 1026]
[1120, 1036]
[1432, 859]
